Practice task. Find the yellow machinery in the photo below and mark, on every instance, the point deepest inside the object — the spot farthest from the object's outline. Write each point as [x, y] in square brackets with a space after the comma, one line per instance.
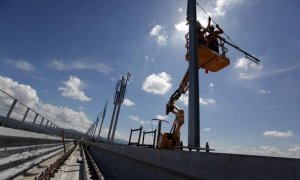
[207, 59]
[172, 140]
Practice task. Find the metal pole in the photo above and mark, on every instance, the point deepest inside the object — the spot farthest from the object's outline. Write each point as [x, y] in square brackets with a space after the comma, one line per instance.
[10, 111]
[36, 115]
[47, 123]
[42, 122]
[115, 124]
[103, 116]
[111, 123]
[158, 134]
[63, 137]
[11, 108]
[194, 121]
[24, 117]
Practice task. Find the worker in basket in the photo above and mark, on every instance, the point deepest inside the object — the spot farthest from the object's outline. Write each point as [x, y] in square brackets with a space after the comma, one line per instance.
[211, 38]
[201, 33]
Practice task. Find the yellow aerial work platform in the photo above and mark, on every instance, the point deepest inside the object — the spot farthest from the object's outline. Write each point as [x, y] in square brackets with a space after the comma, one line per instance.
[209, 59]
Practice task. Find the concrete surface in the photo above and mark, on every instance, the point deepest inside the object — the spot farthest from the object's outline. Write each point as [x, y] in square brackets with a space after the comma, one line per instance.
[16, 138]
[127, 162]
[36, 170]
[15, 170]
[71, 170]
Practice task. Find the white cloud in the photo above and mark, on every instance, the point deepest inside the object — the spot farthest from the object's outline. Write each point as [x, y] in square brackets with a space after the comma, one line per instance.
[161, 117]
[295, 149]
[21, 64]
[207, 101]
[118, 134]
[207, 129]
[138, 120]
[60, 115]
[269, 150]
[128, 102]
[211, 84]
[65, 116]
[157, 83]
[156, 30]
[180, 9]
[73, 89]
[247, 69]
[263, 92]
[261, 150]
[278, 134]
[80, 65]
[160, 35]
[220, 7]
[22, 92]
[182, 27]
[184, 98]
[245, 64]
[162, 39]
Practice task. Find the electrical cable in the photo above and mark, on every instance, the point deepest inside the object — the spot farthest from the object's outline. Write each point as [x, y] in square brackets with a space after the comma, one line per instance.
[215, 23]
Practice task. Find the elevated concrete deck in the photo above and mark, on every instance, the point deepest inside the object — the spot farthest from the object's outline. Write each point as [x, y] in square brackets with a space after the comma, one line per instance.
[15, 138]
[129, 162]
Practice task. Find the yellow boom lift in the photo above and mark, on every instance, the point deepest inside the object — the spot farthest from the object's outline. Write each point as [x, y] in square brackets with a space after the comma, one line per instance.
[211, 61]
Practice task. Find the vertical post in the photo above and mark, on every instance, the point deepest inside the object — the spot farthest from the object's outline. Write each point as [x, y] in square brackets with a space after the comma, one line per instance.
[141, 128]
[100, 128]
[154, 138]
[158, 134]
[111, 123]
[194, 121]
[47, 123]
[63, 138]
[42, 122]
[103, 116]
[143, 139]
[123, 84]
[115, 124]
[24, 117]
[130, 137]
[10, 111]
[35, 117]
[11, 108]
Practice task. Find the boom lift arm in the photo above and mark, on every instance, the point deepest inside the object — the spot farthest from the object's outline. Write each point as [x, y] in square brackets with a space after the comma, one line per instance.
[172, 139]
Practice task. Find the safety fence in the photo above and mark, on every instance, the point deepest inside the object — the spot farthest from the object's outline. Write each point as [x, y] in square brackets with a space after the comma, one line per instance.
[15, 114]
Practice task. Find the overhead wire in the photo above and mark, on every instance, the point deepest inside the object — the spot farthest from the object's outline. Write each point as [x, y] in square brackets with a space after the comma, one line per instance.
[247, 55]
[215, 23]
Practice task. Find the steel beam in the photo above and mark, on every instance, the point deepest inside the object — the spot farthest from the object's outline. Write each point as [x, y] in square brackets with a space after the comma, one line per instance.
[194, 121]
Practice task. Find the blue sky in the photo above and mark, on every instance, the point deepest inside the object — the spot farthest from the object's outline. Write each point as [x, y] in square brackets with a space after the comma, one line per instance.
[70, 54]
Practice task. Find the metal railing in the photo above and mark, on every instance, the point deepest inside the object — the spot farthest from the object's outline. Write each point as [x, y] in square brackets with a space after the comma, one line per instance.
[15, 114]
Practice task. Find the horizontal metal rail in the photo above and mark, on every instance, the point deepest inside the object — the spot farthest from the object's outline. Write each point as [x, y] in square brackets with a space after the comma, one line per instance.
[94, 170]
[52, 169]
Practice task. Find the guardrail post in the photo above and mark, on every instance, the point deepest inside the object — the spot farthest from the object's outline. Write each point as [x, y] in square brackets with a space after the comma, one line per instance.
[24, 117]
[140, 135]
[63, 138]
[42, 122]
[36, 115]
[47, 123]
[10, 110]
